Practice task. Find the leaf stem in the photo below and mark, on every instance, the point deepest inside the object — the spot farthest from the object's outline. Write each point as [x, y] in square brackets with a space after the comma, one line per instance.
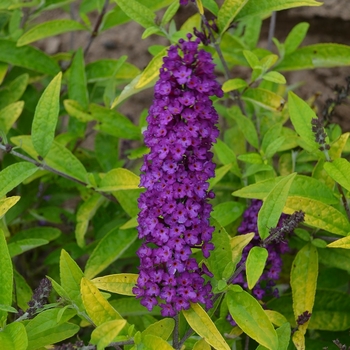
[176, 333]
[8, 149]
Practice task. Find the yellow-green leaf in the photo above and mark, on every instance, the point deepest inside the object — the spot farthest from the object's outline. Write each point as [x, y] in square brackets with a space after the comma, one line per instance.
[104, 334]
[97, 307]
[119, 179]
[201, 345]
[339, 171]
[70, 275]
[14, 337]
[202, 324]
[9, 115]
[228, 12]
[85, 213]
[251, 318]
[340, 243]
[275, 317]
[272, 207]
[45, 117]
[255, 265]
[234, 84]
[7, 203]
[163, 329]
[238, 243]
[47, 29]
[6, 273]
[109, 249]
[122, 283]
[151, 72]
[152, 342]
[303, 281]
[264, 98]
[59, 157]
[138, 12]
[318, 214]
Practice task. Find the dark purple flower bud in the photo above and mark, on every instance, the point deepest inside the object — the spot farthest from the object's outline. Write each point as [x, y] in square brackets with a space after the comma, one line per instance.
[174, 213]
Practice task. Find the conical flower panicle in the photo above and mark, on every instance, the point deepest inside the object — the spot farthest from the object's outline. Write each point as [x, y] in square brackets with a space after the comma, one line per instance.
[174, 209]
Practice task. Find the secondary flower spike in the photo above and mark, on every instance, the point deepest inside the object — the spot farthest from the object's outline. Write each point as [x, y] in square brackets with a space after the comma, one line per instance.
[174, 209]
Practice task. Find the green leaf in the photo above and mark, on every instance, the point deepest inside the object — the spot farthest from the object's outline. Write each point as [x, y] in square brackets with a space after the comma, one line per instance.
[85, 213]
[301, 115]
[201, 345]
[9, 115]
[71, 275]
[316, 56]
[274, 146]
[246, 126]
[77, 85]
[303, 281]
[318, 214]
[14, 174]
[7, 203]
[47, 29]
[202, 324]
[59, 157]
[44, 330]
[219, 174]
[122, 283]
[295, 37]
[21, 246]
[128, 200]
[234, 84]
[251, 318]
[104, 69]
[264, 98]
[163, 329]
[212, 6]
[283, 334]
[170, 12]
[109, 249]
[106, 149]
[151, 72]
[251, 158]
[256, 7]
[22, 290]
[255, 265]
[14, 337]
[105, 333]
[97, 307]
[303, 186]
[275, 317]
[227, 156]
[6, 273]
[113, 123]
[275, 77]
[272, 207]
[252, 59]
[118, 180]
[46, 233]
[138, 12]
[45, 117]
[221, 255]
[14, 90]
[27, 57]
[153, 342]
[227, 212]
[228, 12]
[339, 171]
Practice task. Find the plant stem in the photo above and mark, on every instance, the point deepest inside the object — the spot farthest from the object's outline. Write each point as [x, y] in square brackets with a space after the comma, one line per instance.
[271, 30]
[96, 27]
[185, 337]
[43, 166]
[176, 333]
[345, 202]
[235, 94]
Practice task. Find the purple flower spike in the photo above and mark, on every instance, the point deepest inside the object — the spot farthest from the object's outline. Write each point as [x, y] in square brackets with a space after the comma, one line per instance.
[174, 209]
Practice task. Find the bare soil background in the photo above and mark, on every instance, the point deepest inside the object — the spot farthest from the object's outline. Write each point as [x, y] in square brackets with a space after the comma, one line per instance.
[328, 23]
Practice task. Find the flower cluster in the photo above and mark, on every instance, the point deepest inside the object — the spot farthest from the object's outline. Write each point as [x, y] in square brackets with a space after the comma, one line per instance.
[174, 209]
[275, 249]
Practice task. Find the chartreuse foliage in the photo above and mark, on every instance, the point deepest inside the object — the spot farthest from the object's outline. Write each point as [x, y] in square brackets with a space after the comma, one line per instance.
[73, 205]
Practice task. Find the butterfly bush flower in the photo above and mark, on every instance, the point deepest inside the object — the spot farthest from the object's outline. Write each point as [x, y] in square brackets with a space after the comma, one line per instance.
[275, 249]
[174, 209]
